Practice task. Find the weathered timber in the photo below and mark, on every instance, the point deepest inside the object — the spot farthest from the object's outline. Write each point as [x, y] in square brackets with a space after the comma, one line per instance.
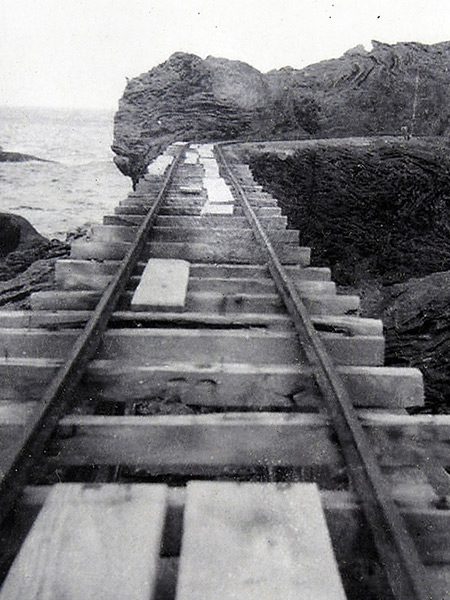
[225, 303]
[91, 543]
[70, 273]
[225, 252]
[209, 302]
[163, 283]
[210, 235]
[59, 319]
[195, 443]
[148, 345]
[254, 541]
[430, 526]
[220, 386]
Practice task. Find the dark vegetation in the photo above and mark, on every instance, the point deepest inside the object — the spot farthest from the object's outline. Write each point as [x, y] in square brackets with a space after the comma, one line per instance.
[379, 216]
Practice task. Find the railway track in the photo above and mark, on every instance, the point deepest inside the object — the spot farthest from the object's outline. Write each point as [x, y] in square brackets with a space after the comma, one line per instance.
[226, 431]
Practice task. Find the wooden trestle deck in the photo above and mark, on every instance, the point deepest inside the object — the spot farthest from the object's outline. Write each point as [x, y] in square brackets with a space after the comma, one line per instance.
[197, 460]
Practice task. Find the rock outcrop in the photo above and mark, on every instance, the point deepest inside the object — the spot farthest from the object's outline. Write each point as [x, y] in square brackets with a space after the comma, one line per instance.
[18, 157]
[416, 318]
[379, 215]
[372, 209]
[360, 93]
[21, 246]
[366, 93]
[16, 233]
[187, 98]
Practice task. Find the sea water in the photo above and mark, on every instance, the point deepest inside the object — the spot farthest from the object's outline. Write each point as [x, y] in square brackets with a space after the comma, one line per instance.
[78, 187]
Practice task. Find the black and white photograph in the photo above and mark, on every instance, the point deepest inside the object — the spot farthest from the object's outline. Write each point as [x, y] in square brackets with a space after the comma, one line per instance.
[224, 300]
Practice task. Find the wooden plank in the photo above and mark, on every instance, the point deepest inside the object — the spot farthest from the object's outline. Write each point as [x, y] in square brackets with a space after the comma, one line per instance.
[223, 385]
[217, 190]
[211, 221]
[255, 285]
[235, 222]
[66, 300]
[162, 345]
[211, 302]
[69, 279]
[205, 235]
[72, 272]
[330, 304]
[197, 442]
[217, 209]
[231, 285]
[253, 541]
[265, 212]
[262, 201]
[163, 283]
[199, 269]
[132, 210]
[429, 526]
[91, 542]
[228, 252]
[216, 235]
[59, 319]
[350, 325]
[190, 189]
[244, 386]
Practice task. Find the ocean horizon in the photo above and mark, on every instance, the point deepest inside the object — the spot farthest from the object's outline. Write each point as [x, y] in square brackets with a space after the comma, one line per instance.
[79, 186]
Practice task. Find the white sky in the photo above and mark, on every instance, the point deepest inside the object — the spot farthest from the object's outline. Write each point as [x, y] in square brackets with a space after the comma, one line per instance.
[78, 52]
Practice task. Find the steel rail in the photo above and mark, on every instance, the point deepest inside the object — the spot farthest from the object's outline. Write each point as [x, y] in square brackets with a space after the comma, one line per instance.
[59, 395]
[396, 549]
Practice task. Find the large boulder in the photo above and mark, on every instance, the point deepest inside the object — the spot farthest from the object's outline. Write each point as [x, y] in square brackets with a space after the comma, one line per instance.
[416, 318]
[21, 245]
[187, 98]
[16, 233]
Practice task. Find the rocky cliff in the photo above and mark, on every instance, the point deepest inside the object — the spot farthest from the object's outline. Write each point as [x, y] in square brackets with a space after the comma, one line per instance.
[376, 209]
[360, 93]
[187, 98]
[378, 213]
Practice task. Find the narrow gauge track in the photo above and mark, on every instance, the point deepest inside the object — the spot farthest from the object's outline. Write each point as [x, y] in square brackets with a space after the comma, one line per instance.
[219, 389]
